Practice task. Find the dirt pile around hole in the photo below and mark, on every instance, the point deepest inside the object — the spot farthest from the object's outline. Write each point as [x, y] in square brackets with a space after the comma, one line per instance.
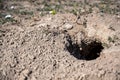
[40, 49]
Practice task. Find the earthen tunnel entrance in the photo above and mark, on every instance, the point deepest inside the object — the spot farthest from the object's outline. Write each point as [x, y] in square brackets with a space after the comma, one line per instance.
[86, 50]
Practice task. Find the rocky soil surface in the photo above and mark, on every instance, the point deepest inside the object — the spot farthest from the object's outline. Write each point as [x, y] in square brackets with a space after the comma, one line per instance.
[61, 47]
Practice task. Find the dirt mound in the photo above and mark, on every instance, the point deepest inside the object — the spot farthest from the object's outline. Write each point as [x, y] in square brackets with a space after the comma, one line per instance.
[43, 51]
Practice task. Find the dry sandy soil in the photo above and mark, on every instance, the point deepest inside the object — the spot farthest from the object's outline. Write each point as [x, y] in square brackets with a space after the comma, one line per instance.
[61, 47]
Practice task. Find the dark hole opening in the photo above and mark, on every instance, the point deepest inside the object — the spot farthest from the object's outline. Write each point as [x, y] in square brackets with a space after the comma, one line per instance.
[85, 51]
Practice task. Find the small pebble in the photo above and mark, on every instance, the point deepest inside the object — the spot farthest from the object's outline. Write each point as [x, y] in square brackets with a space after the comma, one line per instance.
[8, 16]
[67, 26]
[12, 7]
[102, 72]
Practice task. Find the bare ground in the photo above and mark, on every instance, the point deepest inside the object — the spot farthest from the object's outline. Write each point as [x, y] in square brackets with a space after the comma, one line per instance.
[47, 48]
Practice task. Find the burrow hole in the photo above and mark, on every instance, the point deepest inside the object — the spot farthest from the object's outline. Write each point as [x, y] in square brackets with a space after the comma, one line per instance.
[85, 51]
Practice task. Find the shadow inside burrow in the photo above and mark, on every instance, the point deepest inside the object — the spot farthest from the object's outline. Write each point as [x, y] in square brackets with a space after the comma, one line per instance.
[84, 51]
